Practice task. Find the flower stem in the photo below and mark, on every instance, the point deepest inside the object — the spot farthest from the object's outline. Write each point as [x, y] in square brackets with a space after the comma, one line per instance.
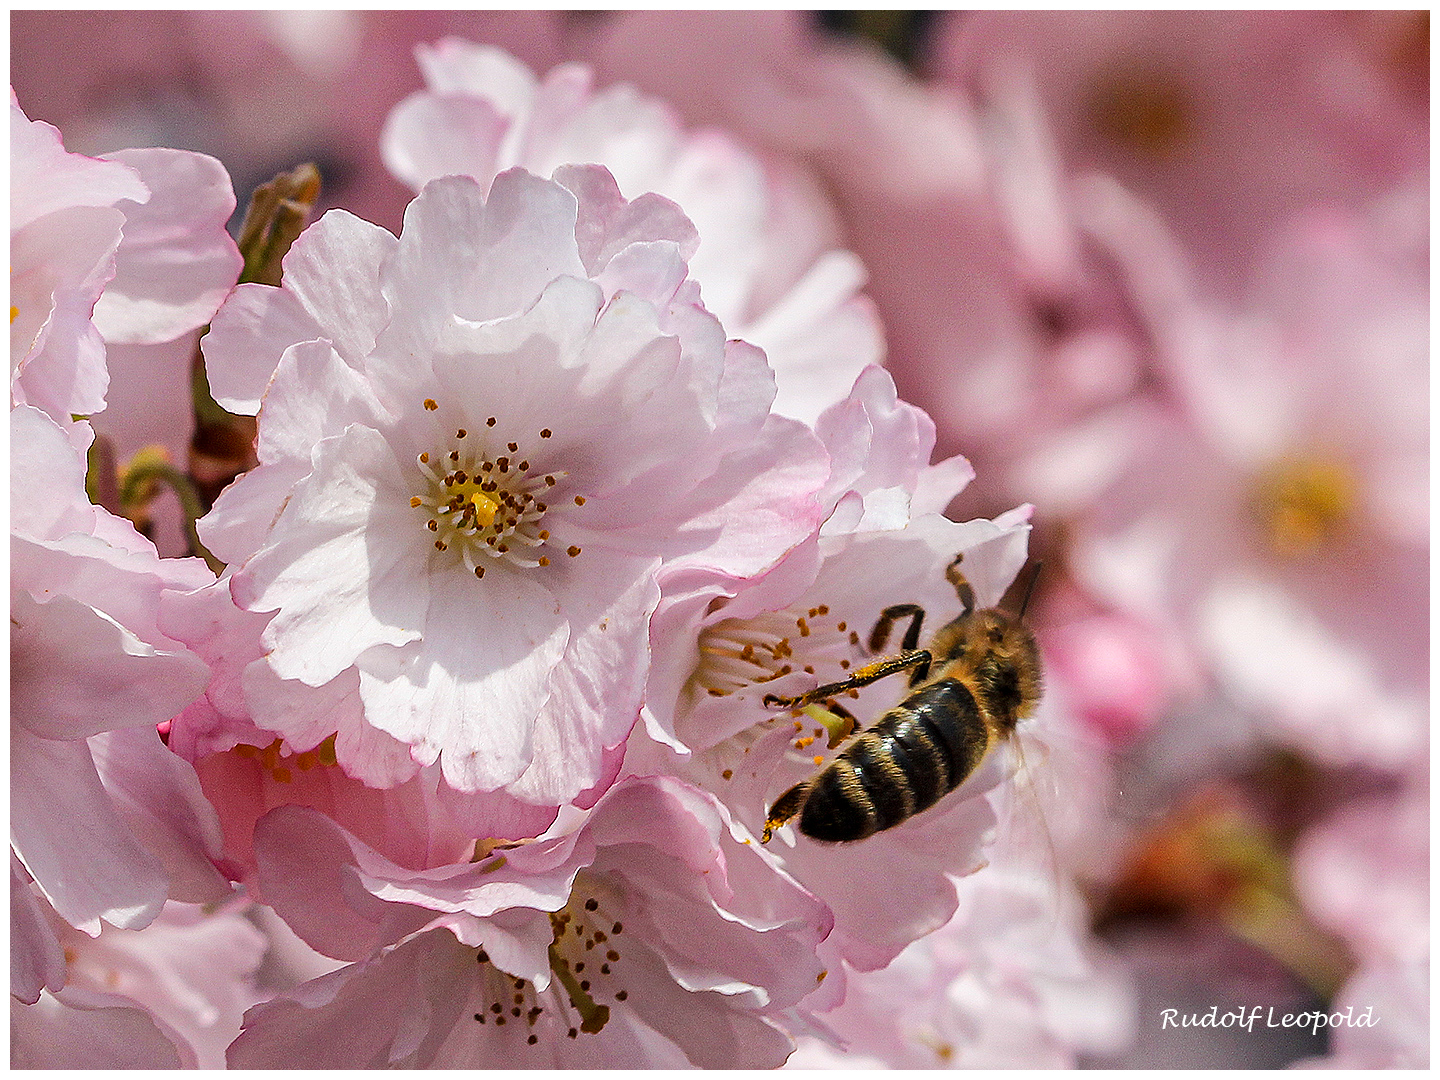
[136, 491]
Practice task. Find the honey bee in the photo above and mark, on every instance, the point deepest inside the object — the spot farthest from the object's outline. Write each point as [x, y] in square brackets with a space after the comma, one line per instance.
[979, 677]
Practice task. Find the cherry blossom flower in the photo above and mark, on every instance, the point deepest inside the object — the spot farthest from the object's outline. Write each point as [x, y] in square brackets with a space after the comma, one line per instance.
[91, 677]
[651, 935]
[481, 442]
[127, 249]
[790, 631]
[1277, 520]
[1134, 95]
[766, 260]
[168, 996]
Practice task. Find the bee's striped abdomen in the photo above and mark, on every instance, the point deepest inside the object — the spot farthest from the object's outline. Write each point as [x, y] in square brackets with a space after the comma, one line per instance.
[904, 763]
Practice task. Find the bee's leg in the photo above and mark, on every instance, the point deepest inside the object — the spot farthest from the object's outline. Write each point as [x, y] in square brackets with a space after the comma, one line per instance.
[881, 633]
[862, 677]
[956, 577]
[784, 808]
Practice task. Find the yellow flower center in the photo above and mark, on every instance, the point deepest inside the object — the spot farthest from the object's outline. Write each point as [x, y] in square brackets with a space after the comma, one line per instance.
[482, 499]
[1144, 109]
[1303, 502]
[584, 956]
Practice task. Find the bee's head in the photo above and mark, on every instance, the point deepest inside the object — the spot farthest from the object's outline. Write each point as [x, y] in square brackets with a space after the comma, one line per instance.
[1007, 662]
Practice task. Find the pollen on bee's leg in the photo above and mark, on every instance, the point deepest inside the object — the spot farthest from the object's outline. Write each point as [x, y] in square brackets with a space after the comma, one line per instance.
[838, 727]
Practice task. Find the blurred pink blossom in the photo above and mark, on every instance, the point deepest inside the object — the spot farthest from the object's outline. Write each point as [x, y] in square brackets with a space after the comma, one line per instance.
[1272, 511]
[1007, 983]
[1304, 115]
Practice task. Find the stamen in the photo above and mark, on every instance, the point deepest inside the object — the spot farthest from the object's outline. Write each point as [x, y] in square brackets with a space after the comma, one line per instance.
[484, 503]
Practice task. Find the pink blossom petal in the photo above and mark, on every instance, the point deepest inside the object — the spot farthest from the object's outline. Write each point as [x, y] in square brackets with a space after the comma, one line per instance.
[860, 881]
[43, 463]
[88, 1029]
[474, 708]
[607, 223]
[308, 874]
[428, 136]
[306, 716]
[315, 394]
[247, 336]
[59, 265]
[392, 1011]
[36, 960]
[819, 335]
[176, 262]
[45, 178]
[747, 386]
[756, 506]
[326, 620]
[455, 66]
[333, 269]
[238, 523]
[76, 671]
[192, 969]
[482, 257]
[595, 693]
[85, 861]
[158, 796]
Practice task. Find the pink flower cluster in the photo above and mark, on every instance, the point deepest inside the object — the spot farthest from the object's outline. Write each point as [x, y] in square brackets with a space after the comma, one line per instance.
[476, 706]
[668, 353]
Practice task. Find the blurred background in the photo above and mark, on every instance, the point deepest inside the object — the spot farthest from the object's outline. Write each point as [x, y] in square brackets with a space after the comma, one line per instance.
[1163, 275]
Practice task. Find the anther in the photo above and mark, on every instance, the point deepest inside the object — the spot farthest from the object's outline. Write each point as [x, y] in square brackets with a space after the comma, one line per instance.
[490, 422]
[461, 433]
[512, 447]
[572, 551]
[430, 405]
[545, 433]
[579, 500]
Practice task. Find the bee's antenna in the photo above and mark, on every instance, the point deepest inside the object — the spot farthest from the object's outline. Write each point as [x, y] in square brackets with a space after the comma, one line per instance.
[1029, 589]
